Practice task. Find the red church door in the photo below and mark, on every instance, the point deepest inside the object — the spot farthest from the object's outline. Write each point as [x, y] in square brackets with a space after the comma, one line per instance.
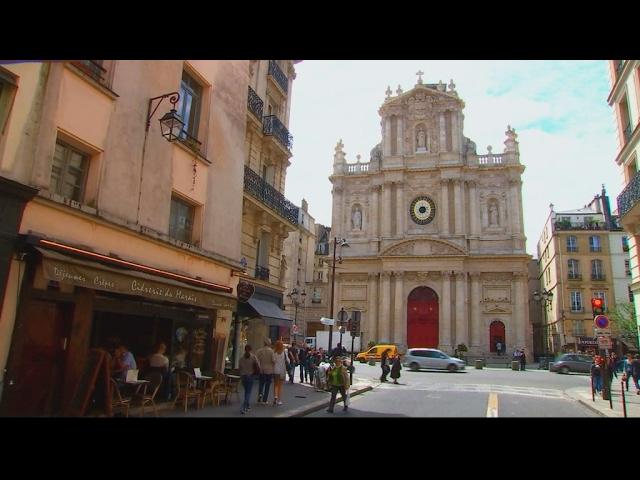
[422, 318]
[496, 334]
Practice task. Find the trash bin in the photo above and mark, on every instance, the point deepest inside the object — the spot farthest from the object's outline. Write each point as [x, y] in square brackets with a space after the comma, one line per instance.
[515, 365]
[479, 364]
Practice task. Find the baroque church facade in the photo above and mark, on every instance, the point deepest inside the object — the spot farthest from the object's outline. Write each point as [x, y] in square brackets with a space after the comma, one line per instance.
[436, 254]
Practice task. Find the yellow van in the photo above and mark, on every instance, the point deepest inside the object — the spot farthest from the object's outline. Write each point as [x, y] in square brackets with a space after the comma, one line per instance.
[376, 353]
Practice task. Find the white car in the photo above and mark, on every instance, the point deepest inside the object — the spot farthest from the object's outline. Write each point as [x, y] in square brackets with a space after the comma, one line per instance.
[430, 358]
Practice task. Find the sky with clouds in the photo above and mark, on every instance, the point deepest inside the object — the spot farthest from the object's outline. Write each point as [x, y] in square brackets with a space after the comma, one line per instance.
[559, 109]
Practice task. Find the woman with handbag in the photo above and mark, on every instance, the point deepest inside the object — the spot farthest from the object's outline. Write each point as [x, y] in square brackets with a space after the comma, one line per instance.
[249, 369]
[281, 365]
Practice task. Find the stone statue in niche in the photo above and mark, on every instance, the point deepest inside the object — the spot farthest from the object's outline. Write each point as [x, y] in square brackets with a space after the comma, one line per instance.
[356, 219]
[421, 141]
[283, 269]
[493, 215]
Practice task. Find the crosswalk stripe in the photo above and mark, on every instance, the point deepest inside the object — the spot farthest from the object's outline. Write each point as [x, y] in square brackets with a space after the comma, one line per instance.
[481, 388]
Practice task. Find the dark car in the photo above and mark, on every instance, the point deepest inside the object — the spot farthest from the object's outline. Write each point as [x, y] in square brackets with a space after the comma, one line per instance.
[572, 362]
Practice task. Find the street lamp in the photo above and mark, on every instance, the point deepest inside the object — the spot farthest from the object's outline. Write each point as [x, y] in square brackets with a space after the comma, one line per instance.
[294, 296]
[544, 299]
[343, 243]
[170, 124]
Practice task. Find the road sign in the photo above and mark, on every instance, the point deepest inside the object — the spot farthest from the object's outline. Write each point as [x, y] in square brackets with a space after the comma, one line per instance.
[327, 321]
[602, 332]
[601, 321]
[294, 329]
[343, 315]
[605, 342]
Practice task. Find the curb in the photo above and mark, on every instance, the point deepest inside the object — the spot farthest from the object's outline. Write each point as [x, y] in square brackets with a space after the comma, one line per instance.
[319, 405]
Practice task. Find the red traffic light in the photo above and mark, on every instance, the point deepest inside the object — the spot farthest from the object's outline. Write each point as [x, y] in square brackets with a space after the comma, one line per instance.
[596, 303]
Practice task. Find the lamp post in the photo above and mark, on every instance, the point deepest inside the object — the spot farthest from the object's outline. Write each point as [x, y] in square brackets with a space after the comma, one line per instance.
[544, 299]
[343, 243]
[294, 296]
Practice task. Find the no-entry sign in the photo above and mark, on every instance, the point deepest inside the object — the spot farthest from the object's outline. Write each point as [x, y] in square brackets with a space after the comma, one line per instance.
[601, 321]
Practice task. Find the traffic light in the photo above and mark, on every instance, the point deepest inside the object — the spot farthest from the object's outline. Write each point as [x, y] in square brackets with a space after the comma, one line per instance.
[597, 306]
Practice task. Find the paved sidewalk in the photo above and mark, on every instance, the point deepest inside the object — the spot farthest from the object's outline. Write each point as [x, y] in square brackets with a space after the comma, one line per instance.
[298, 399]
[632, 400]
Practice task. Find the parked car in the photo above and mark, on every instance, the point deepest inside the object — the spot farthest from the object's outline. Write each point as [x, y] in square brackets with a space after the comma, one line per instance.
[572, 362]
[418, 358]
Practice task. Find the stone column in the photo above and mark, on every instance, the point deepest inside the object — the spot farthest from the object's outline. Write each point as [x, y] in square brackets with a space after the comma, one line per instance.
[384, 320]
[474, 211]
[336, 221]
[458, 205]
[386, 210]
[387, 136]
[445, 312]
[400, 137]
[399, 209]
[475, 308]
[444, 207]
[443, 133]
[374, 215]
[399, 323]
[462, 330]
[514, 205]
[520, 306]
[372, 314]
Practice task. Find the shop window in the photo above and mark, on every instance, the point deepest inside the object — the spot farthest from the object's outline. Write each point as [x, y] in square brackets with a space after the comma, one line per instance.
[69, 171]
[181, 220]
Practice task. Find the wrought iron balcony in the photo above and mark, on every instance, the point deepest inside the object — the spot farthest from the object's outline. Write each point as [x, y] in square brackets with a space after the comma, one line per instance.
[600, 276]
[575, 276]
[272, 126]
[255, 104]
[629, 196]
[278, 75]
[565, 225]
[272, 198]
[262, 273]
[190, 141]
[595, 249]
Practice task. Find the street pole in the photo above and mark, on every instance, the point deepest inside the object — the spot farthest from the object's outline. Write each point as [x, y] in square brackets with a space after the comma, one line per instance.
[333, 285]
[351, 369]
[295, 320]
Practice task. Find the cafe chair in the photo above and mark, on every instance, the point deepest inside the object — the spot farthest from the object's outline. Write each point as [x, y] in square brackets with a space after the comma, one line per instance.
[117, 402]
[186, 390]
[214, 391]
[149, 394]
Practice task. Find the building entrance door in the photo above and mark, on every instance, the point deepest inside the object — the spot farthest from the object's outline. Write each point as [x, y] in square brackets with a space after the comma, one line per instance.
[34, 381]
[496, 334]
[422, 318]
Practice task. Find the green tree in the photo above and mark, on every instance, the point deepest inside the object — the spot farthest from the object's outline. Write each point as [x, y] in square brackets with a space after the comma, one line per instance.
[623, 322]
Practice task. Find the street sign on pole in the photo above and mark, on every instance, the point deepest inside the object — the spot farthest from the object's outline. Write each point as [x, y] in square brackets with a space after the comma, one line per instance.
[602, 332]
[605, 342]
[327, 321]
[601, 321]
[294, 329]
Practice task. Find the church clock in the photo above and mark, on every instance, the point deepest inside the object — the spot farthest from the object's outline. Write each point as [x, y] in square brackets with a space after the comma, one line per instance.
[422, 210]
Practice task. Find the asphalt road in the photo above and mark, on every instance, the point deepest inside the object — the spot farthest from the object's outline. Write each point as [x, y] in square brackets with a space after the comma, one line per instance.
[472, 393]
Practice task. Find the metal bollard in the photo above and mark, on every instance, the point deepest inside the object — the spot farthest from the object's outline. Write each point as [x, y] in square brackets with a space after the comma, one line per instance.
[624, 400]
[593, 394]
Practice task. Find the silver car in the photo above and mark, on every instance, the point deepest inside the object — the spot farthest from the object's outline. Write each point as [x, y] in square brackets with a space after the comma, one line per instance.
[430, 358]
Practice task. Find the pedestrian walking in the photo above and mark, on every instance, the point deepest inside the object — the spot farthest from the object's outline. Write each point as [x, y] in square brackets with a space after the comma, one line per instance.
[249, 370]
[312, 364]
[302, 359]
[596, 374]
[279, 371]
[523, 360]
[395, 369]
[628, 374]
[338, 377]
[613, 359]
[499, 348]
[384, 364]
[266, 359]
[292, 361]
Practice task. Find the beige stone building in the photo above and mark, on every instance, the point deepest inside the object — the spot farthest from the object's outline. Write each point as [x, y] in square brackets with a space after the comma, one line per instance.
[437, 248]
[128, 236]
[624, 98]
[299, 248]
[582, 255]
[267, 216]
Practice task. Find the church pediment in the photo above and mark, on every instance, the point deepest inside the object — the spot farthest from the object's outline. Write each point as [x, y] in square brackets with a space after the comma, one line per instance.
[423, 247]
[422, 95]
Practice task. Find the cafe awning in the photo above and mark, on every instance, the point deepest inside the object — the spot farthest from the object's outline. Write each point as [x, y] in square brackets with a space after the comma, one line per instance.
[85, 273]
[270, 312]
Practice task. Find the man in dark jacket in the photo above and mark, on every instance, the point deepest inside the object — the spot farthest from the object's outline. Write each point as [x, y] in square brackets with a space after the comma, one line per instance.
[635, 372]
[384, 364]
[302, 359]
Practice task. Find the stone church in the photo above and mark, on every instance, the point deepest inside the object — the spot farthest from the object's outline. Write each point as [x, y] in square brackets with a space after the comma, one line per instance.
[436, 254]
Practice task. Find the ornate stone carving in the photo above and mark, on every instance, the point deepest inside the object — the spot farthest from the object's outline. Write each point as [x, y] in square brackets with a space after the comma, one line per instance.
[423, 247]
